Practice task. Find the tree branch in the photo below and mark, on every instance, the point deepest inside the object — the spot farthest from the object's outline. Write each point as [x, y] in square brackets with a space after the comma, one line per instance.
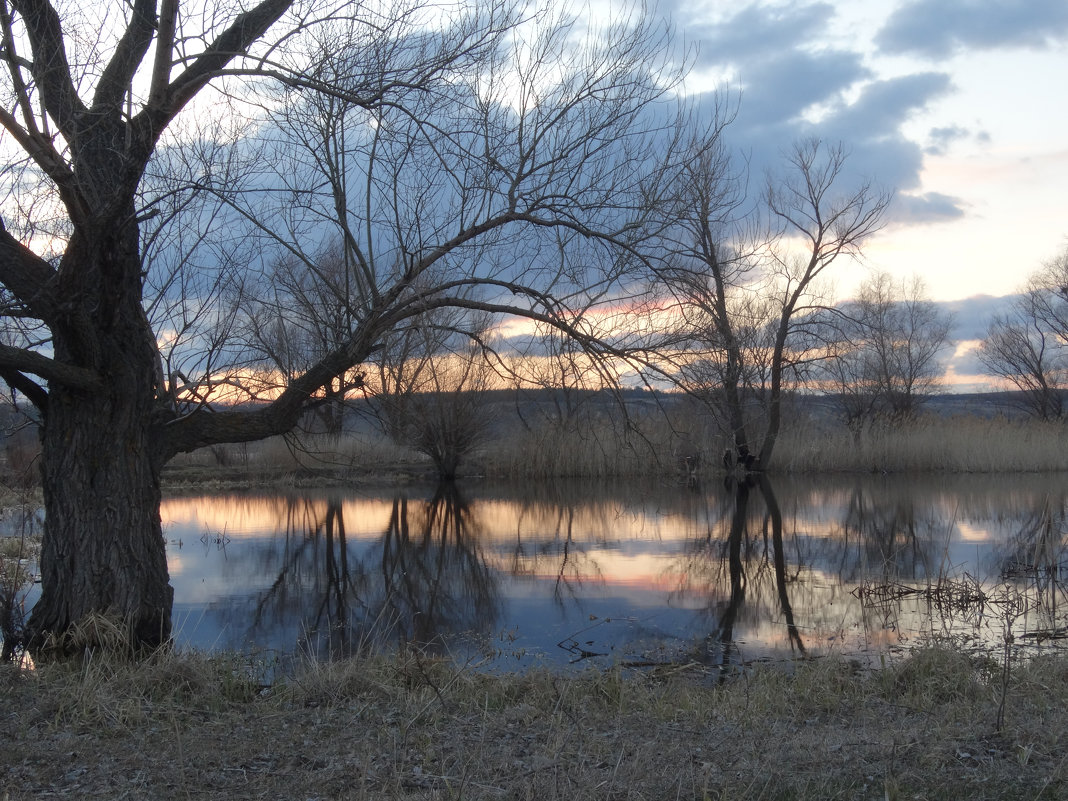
[230, 44]
[29, 277]
[161, 67]
[40, 148]
[33, 391]
[50, 65]
[209, 427]
[131, 49]
[49, 369]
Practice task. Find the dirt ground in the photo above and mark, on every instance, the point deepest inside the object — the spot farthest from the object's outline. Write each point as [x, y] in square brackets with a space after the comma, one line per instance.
[407, 728]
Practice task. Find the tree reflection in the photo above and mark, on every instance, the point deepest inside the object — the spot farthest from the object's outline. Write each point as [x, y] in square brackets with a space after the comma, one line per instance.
[551, 546]
[435, 580]
[1035, 557]
[747, 558]
[891, 537]
[749, 570]
[421, 582]
[774, 516]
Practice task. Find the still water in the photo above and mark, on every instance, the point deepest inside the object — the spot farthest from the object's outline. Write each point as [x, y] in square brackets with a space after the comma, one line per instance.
[573, 573]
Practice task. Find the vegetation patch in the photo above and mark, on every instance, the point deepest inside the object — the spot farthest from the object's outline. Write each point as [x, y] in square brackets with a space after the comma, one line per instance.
[188, 725]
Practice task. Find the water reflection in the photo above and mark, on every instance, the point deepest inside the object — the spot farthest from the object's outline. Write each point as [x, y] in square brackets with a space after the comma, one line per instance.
[421, 580]
[625, 572]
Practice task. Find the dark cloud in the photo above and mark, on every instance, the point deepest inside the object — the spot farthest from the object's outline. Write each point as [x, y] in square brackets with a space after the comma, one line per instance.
[753, 33]
[870, 128]
[780, 88]
[790, 87]
[972, 316]
[764, 46]
[884, 105]
[939, 139]
[939, 28]
[930, 207]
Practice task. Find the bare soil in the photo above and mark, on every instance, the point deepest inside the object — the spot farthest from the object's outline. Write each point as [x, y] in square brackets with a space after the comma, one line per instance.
[405, 727]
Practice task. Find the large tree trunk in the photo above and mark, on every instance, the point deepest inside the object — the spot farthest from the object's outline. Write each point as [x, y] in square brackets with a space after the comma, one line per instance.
[103, 550]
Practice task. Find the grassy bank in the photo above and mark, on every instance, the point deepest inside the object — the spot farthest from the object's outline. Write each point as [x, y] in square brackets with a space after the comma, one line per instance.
[653, 446]
[404, 727]
[947, 444]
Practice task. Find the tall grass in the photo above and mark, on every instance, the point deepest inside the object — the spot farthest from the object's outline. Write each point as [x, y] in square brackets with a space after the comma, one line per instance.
[605, 447]
[949, 444]
[296, 453]
[653, 445]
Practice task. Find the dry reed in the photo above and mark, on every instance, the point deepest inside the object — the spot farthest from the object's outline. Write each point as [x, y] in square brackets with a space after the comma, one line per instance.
[614, 445]
[949, 444]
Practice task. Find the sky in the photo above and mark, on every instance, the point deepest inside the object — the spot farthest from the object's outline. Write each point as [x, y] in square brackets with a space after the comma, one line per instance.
[958, 106]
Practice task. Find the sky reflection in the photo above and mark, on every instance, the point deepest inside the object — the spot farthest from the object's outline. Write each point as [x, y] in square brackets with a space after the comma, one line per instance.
[621, 573]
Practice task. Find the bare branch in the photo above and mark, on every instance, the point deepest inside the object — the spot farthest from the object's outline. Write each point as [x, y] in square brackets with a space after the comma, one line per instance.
[48, 369]
[117, 78]
[33, 391]
[232, 43]
[29, 277]
[50, 67]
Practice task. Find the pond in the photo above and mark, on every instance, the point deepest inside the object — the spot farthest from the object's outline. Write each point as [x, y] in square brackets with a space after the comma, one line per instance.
[573, 573]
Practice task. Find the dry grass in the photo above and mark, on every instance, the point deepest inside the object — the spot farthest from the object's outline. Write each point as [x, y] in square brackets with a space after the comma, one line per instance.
[948, 444]
[652, 445]
[293, 459]
[410, 727]
[598, 449]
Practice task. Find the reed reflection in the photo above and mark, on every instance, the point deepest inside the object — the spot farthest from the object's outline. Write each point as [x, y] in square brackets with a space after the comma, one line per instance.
[421, 581]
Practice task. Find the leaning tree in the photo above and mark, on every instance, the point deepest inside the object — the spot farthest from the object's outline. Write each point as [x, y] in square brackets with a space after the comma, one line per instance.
[162, 160]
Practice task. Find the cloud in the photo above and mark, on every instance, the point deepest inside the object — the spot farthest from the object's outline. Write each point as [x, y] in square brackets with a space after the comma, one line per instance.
[792, 85]
[972, 316]
[939, 28]
[930, 207]
[870, 127]
[941, 138]
[768, 50]
[781, 87]
[755, 32]
[884, 105]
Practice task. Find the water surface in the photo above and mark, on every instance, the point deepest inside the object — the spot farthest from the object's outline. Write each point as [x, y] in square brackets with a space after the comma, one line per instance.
[631, 572]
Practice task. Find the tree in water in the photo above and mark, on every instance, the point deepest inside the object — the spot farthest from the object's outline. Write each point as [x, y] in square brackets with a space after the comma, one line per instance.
[161, 165]
[746, 279]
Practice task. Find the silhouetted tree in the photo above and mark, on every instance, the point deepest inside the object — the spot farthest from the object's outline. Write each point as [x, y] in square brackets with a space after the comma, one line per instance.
[161, 164]
[1027, 346]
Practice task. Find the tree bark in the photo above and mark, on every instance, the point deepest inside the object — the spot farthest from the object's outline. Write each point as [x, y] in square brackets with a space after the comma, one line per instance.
[103, 550]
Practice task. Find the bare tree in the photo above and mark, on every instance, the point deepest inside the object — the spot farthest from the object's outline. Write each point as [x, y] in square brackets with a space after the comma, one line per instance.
[714, 275]
[886, 346]
[749, 298]
[434, 386]
[478, 140]
[1028, 345]
[829, 223]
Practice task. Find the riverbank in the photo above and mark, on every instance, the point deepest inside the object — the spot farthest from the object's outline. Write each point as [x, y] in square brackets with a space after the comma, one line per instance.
[650, 447]
[408, 727]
